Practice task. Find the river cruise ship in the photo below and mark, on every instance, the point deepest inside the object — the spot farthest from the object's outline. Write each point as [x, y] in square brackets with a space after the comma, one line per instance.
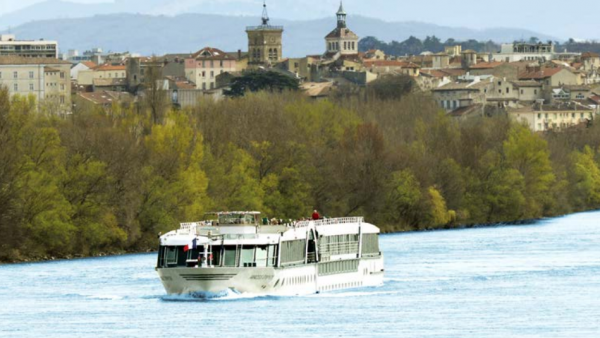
[242, 253]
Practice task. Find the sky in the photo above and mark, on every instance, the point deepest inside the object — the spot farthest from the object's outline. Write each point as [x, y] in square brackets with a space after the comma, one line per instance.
[580, 21]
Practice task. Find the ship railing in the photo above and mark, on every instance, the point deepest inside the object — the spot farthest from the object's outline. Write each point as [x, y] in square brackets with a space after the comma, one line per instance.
[330, 221]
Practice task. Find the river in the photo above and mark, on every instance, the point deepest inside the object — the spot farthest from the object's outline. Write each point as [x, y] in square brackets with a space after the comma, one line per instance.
[539, 280]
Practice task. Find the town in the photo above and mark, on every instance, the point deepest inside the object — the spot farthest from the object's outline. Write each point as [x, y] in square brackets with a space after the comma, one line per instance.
[531, 82]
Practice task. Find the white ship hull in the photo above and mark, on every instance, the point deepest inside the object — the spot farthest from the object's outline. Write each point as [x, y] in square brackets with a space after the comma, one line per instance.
[300, 280]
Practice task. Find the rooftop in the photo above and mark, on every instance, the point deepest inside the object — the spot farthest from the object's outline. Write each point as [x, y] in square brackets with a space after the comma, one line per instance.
[209, 53]
[19, 60]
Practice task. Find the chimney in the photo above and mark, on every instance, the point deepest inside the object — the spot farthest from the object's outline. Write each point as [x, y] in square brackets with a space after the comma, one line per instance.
[239, 54]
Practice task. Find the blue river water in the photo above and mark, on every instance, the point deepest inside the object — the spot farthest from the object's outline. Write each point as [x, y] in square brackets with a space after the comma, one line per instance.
[539, 280]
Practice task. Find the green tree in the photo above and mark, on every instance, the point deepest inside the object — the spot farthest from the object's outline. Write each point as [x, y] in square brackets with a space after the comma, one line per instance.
[528, 153]
[256, 81]
[585, 174]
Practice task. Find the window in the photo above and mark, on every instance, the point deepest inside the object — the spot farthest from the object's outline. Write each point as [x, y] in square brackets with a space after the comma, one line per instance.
[535, 91]
[0, 75]
[212, 74]
[204, 86]
[171, 255]
[31, 86]
[248, 257]
[522, 92]
[16, 87]
[539, 115]
[62, 87]
[15, 75]
[221, 63]
[229, 258]
[62, 75]
[62, 99]
[31, 75]
[573, 115]
[507, 90]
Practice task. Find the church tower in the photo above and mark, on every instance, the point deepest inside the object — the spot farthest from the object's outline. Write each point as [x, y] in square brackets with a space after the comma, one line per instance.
[264, 42]
[341, 40]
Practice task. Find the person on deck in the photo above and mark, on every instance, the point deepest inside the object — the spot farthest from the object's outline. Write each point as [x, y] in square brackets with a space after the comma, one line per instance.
[316, 216]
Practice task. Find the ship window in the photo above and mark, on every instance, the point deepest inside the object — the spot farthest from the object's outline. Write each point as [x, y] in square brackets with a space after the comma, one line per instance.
[230, 256]
[261, 256]
[171, 255]
[161, 257]
[248, 257]
[272, 258]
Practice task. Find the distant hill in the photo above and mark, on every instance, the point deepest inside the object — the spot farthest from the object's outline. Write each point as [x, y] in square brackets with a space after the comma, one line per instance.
[148, 34]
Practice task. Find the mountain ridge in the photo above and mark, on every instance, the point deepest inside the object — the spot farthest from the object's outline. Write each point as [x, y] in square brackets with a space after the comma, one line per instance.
[192, 31]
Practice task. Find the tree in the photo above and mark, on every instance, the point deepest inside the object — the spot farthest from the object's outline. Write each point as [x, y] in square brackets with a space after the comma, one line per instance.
[155, 96]
[527, 153]
[255, 81]
[585, 174]
[391, 87]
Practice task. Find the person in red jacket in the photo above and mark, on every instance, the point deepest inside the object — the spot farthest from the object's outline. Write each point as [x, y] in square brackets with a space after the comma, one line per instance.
[315, 215]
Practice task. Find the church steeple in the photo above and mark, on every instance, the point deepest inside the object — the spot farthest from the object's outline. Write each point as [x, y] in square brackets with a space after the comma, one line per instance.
[341, 16]
[265, 15]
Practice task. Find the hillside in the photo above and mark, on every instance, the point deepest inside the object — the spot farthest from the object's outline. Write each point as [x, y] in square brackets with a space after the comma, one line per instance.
[148, 34]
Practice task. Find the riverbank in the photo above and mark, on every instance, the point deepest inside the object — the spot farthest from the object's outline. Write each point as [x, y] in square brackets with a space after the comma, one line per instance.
[148, 250]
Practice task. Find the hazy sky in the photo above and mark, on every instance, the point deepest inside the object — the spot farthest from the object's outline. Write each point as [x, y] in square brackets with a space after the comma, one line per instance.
[557, 18]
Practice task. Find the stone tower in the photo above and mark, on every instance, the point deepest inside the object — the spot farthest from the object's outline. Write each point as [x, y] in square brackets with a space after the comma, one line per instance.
[264, 42]
[341, 39]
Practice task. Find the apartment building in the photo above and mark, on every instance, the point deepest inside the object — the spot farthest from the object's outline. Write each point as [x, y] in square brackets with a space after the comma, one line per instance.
[204, 66]
[10, 46]
[47, 79]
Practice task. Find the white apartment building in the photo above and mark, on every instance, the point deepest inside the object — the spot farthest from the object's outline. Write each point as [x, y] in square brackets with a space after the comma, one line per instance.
[10, 46]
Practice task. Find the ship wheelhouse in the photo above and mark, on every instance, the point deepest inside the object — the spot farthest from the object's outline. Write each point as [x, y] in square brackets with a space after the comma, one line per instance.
[244, 240]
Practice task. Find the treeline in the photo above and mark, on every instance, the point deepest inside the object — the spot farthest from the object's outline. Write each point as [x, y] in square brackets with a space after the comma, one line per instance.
[107, 180]
[415, 46]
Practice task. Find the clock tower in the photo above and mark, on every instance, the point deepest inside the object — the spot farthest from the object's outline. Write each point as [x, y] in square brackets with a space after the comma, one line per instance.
[264, 42]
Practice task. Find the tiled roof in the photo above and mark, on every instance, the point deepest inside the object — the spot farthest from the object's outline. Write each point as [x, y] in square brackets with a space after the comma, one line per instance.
[539, 74]
[51, 70]
[389, 63]
[19, 60]
[520, 84]
[105, 97]
[462, 86]
[209, 53]
[588, 55]
[463, 111]
[486, 65]
[341, 33]
[89, 64]
[317, 89]
[107, 67]
[109, 82]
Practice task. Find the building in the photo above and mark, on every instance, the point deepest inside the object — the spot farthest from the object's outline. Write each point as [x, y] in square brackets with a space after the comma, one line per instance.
[540, 117]
[453, 96]
[46, 79]
[341, 40]
[85, 65]
[512, 52]
[265, 43]
[106, 71]
[551, 77]
[10, 46]
[204, 66]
